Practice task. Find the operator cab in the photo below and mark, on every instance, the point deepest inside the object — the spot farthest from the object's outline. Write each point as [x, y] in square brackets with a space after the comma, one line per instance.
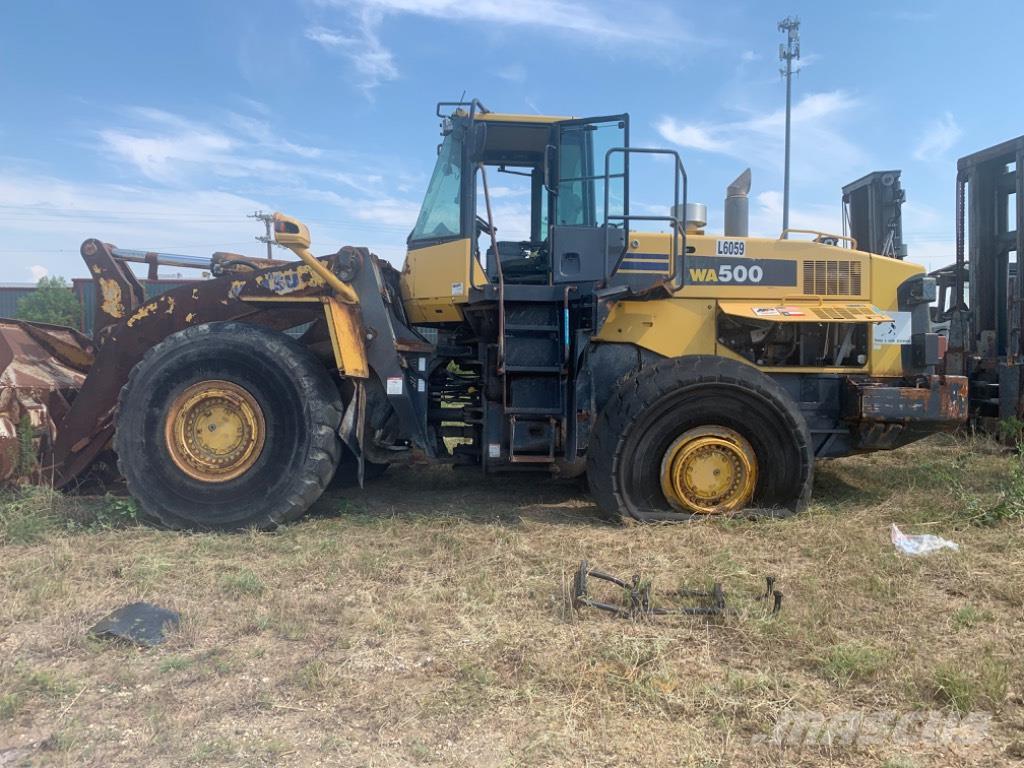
[524, 200]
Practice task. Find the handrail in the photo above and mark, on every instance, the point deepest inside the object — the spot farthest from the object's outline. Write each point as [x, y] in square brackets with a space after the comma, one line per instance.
[802, 297]
[501, 272]
[678, 227]
[474, 106]
[819, 235]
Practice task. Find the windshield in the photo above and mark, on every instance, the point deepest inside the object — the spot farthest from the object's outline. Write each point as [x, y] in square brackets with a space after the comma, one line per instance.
[440, 215]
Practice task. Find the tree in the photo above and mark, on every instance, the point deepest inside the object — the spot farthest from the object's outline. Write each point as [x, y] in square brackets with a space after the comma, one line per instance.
[52, 301]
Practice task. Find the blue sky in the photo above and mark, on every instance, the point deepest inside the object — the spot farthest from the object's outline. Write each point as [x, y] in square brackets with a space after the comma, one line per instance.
[161, 125]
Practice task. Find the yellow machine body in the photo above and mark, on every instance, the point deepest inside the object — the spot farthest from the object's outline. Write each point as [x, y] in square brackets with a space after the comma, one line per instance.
[834, 285]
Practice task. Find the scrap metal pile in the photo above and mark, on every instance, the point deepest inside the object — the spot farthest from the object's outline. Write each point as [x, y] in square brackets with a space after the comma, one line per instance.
[637, 603]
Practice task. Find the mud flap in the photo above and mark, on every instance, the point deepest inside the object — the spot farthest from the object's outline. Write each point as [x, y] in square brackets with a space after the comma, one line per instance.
[353, 426]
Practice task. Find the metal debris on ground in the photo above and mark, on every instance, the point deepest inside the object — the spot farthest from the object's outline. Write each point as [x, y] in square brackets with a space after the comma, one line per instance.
[637, 601]
[142, 623]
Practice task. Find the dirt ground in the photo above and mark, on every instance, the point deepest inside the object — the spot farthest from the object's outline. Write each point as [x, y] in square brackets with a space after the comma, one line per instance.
[427, 621]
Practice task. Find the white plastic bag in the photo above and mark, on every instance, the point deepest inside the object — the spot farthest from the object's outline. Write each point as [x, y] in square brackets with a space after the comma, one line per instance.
[923, 544]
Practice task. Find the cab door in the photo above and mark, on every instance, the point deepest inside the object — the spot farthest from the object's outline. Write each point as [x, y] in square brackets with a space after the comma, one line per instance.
[589, 196]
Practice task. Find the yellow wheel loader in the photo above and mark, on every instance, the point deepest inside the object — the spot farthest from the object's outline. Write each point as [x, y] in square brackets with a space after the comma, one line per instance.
[686, 373]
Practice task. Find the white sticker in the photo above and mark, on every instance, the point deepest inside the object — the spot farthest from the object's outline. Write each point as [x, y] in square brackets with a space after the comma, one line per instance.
[494, 450]
[896, 332]
[423, 364]
[458, 289]
[765, 311]
[394, 385]
[730, 248]
[421, 385]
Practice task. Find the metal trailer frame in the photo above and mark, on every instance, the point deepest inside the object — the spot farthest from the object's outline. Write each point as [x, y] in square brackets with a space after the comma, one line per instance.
[986, 311]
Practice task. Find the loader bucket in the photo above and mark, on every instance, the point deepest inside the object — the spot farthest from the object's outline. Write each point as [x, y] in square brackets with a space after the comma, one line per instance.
[42, 368]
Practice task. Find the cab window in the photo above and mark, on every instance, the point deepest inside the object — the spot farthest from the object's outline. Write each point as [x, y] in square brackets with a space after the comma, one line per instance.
[441, 214]
[581, 158]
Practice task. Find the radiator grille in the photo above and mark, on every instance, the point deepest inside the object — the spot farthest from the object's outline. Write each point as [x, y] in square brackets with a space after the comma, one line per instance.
[834, 313]
[832, 278]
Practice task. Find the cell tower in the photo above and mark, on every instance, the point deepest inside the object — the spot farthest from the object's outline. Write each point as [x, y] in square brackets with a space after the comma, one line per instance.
[788, 52]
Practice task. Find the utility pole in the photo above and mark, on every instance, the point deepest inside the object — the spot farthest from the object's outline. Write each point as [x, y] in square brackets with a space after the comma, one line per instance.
[788, 51]
[268, 220]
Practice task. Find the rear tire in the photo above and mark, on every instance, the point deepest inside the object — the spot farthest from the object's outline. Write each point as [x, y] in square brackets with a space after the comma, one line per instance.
[638, 432]
[228, 426]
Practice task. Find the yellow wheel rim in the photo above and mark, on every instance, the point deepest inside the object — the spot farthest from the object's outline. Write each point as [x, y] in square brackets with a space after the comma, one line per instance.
[215, 431]
[709, 470]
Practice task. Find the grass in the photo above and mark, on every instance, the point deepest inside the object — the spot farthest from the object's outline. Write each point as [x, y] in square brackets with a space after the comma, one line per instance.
[36, 513]
[242, 583]
[980, 683]
[852, 663]
[426, 621]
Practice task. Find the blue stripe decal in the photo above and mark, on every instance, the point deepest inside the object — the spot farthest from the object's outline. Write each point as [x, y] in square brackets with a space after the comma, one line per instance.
[645, 257]
[644, 268]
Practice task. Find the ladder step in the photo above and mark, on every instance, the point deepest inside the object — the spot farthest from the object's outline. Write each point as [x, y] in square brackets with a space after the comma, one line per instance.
[529, 328]
[516, 411]
[534, 369]
[531, 459]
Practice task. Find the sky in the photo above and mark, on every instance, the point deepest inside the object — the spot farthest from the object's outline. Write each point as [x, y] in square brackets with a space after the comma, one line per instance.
[160, 125]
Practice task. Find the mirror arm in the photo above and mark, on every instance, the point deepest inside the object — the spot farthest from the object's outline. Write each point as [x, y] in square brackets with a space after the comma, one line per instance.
[547, 168]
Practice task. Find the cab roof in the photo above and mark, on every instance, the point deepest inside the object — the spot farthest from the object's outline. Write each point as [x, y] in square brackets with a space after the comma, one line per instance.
[506, 117]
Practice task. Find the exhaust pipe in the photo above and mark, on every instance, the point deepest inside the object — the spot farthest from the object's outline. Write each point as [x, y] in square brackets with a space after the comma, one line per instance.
[737, 206]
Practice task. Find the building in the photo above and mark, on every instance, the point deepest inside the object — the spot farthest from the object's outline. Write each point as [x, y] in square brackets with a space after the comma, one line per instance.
[10, 294]
[85, 289]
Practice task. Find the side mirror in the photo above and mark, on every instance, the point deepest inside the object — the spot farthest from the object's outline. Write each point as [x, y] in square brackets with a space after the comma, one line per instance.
[289, 232]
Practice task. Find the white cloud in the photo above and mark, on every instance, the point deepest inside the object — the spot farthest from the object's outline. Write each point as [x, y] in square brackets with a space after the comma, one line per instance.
[513, 73]
[171, 149]
[649, 24]
[749, 56]
[766, 215]
[38, 272]
[643, 23]
[759, 139]
[691, 135]
[938, 138]
[49, 215]
[364, 50]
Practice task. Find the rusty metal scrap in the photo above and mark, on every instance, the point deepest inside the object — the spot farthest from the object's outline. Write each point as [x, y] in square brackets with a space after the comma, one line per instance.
[42, 367]
[637, 602]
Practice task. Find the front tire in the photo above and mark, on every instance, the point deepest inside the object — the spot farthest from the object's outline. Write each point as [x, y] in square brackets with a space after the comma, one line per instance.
[228, 426]
[696, 436]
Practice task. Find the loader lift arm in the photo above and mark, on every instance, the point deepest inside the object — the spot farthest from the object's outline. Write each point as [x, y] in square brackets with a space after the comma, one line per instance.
[278, 298]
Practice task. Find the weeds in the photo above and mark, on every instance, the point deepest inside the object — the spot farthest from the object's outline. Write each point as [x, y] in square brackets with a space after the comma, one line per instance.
[981, 684]
[242, 583]
[852, 663]
[968, 616]
[34, 513]
[1011, 505]
[420, 628]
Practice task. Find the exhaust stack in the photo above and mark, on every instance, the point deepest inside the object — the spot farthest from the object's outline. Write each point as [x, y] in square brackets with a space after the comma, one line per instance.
[737, 206]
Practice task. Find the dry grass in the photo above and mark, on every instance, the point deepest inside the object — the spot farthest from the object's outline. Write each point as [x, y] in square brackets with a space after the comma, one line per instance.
[425, 621]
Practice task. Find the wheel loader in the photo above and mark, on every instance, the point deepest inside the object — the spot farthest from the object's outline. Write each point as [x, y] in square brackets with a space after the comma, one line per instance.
[685, 373]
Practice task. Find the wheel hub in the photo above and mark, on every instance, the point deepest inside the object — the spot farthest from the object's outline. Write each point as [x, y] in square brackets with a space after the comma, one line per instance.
[215, 431]
[709, 470]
